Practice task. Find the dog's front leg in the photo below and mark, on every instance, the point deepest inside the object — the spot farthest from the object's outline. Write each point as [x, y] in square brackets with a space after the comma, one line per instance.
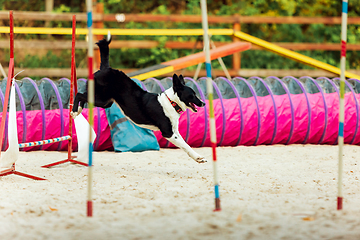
[79, 98]
[178, 141]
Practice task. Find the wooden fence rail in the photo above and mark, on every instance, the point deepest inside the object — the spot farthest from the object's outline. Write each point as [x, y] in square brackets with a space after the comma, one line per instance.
[99, 17]
[120, 17]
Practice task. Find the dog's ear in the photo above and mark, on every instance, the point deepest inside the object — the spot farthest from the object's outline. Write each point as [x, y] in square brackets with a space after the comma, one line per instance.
[177, 84]
[108, 37]
[182, 79]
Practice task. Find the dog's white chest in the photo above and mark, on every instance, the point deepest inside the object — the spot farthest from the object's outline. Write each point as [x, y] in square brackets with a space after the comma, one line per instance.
[169, 111]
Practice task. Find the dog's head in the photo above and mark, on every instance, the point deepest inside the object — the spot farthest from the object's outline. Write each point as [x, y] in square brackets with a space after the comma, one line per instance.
[104, 43]
[186, 94]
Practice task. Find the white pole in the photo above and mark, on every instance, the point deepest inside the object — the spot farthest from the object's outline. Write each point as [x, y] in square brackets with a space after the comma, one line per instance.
[209, 88]
[90, 104]
[341, 107]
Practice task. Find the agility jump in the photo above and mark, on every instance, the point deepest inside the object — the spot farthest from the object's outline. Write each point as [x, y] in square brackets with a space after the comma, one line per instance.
[68, 138]
[73, 90]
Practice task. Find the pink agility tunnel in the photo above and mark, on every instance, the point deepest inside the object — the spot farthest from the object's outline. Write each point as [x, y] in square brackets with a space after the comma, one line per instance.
[248, 112]
[258, 111]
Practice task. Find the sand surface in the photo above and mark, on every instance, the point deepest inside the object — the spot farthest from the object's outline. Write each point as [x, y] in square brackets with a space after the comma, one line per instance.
[267, 192]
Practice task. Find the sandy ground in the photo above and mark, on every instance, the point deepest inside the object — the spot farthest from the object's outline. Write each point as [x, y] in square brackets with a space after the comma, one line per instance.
[267, 192]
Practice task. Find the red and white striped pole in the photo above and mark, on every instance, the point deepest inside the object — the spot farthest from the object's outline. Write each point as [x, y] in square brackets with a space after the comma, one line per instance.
[9, 79]
[91, 92]
[72, 84]
[341, 107]
[209, 89]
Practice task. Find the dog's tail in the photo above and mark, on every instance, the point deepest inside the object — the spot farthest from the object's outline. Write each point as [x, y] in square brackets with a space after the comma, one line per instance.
[104, 51]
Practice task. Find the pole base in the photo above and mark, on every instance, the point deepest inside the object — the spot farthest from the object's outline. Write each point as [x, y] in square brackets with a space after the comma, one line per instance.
[64, 161]
[12, 171]
[339, 203]
[217, 205]
[89, 208]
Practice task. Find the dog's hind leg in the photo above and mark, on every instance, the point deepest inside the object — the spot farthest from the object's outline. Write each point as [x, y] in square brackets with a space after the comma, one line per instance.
[178, 141]
[103, 104]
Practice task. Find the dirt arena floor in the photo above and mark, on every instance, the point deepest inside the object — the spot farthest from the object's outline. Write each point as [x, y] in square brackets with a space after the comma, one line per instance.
[267, 192]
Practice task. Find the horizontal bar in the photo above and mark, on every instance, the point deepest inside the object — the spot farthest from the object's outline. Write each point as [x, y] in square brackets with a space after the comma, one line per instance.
[291, 54]
[190, 60]
[147, 44]
[199, 57]
[43, 142]
[123, 32]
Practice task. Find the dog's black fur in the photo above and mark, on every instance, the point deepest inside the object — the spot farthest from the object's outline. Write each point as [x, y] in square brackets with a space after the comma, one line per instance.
[145, 109]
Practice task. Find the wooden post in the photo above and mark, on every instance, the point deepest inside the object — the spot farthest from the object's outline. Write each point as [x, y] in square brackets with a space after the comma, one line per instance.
[99, 8]
[236, 56]
[49, 6]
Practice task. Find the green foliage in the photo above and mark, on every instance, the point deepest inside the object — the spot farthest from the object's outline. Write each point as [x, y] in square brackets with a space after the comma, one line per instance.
[51, 60]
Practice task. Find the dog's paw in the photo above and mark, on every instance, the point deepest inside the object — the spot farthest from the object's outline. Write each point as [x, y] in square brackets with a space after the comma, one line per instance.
[200, 159]
[73, 114]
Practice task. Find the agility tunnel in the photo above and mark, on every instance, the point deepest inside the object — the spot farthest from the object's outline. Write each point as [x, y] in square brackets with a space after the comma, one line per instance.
[248, 112]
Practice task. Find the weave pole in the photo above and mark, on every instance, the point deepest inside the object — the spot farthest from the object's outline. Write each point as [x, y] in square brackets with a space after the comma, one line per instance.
[341, 107]
[209, 89]
[9, 79]
[90, 104]
[72, 83]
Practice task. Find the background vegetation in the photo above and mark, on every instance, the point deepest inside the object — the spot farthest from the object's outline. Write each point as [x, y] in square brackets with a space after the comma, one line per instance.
[139, 58]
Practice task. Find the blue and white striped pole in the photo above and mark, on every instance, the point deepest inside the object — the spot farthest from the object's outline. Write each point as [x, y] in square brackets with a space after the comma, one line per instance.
[341, 108]
[90, 104]
[209, 88]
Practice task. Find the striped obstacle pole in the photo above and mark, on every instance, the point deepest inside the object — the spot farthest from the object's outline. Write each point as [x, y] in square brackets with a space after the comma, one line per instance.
[91, 97]
[209, 88]
[43, 142]
[10, 77]
[341, 107]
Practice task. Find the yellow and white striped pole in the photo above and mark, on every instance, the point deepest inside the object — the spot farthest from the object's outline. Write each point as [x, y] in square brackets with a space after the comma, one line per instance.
[209, 88]
[91, 94]
[341, 107]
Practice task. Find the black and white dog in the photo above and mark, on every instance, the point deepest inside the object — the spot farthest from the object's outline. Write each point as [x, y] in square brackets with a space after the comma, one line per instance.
[147, 110]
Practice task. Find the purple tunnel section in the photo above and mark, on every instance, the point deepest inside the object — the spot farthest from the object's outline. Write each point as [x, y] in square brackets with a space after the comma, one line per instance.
[248, 112]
